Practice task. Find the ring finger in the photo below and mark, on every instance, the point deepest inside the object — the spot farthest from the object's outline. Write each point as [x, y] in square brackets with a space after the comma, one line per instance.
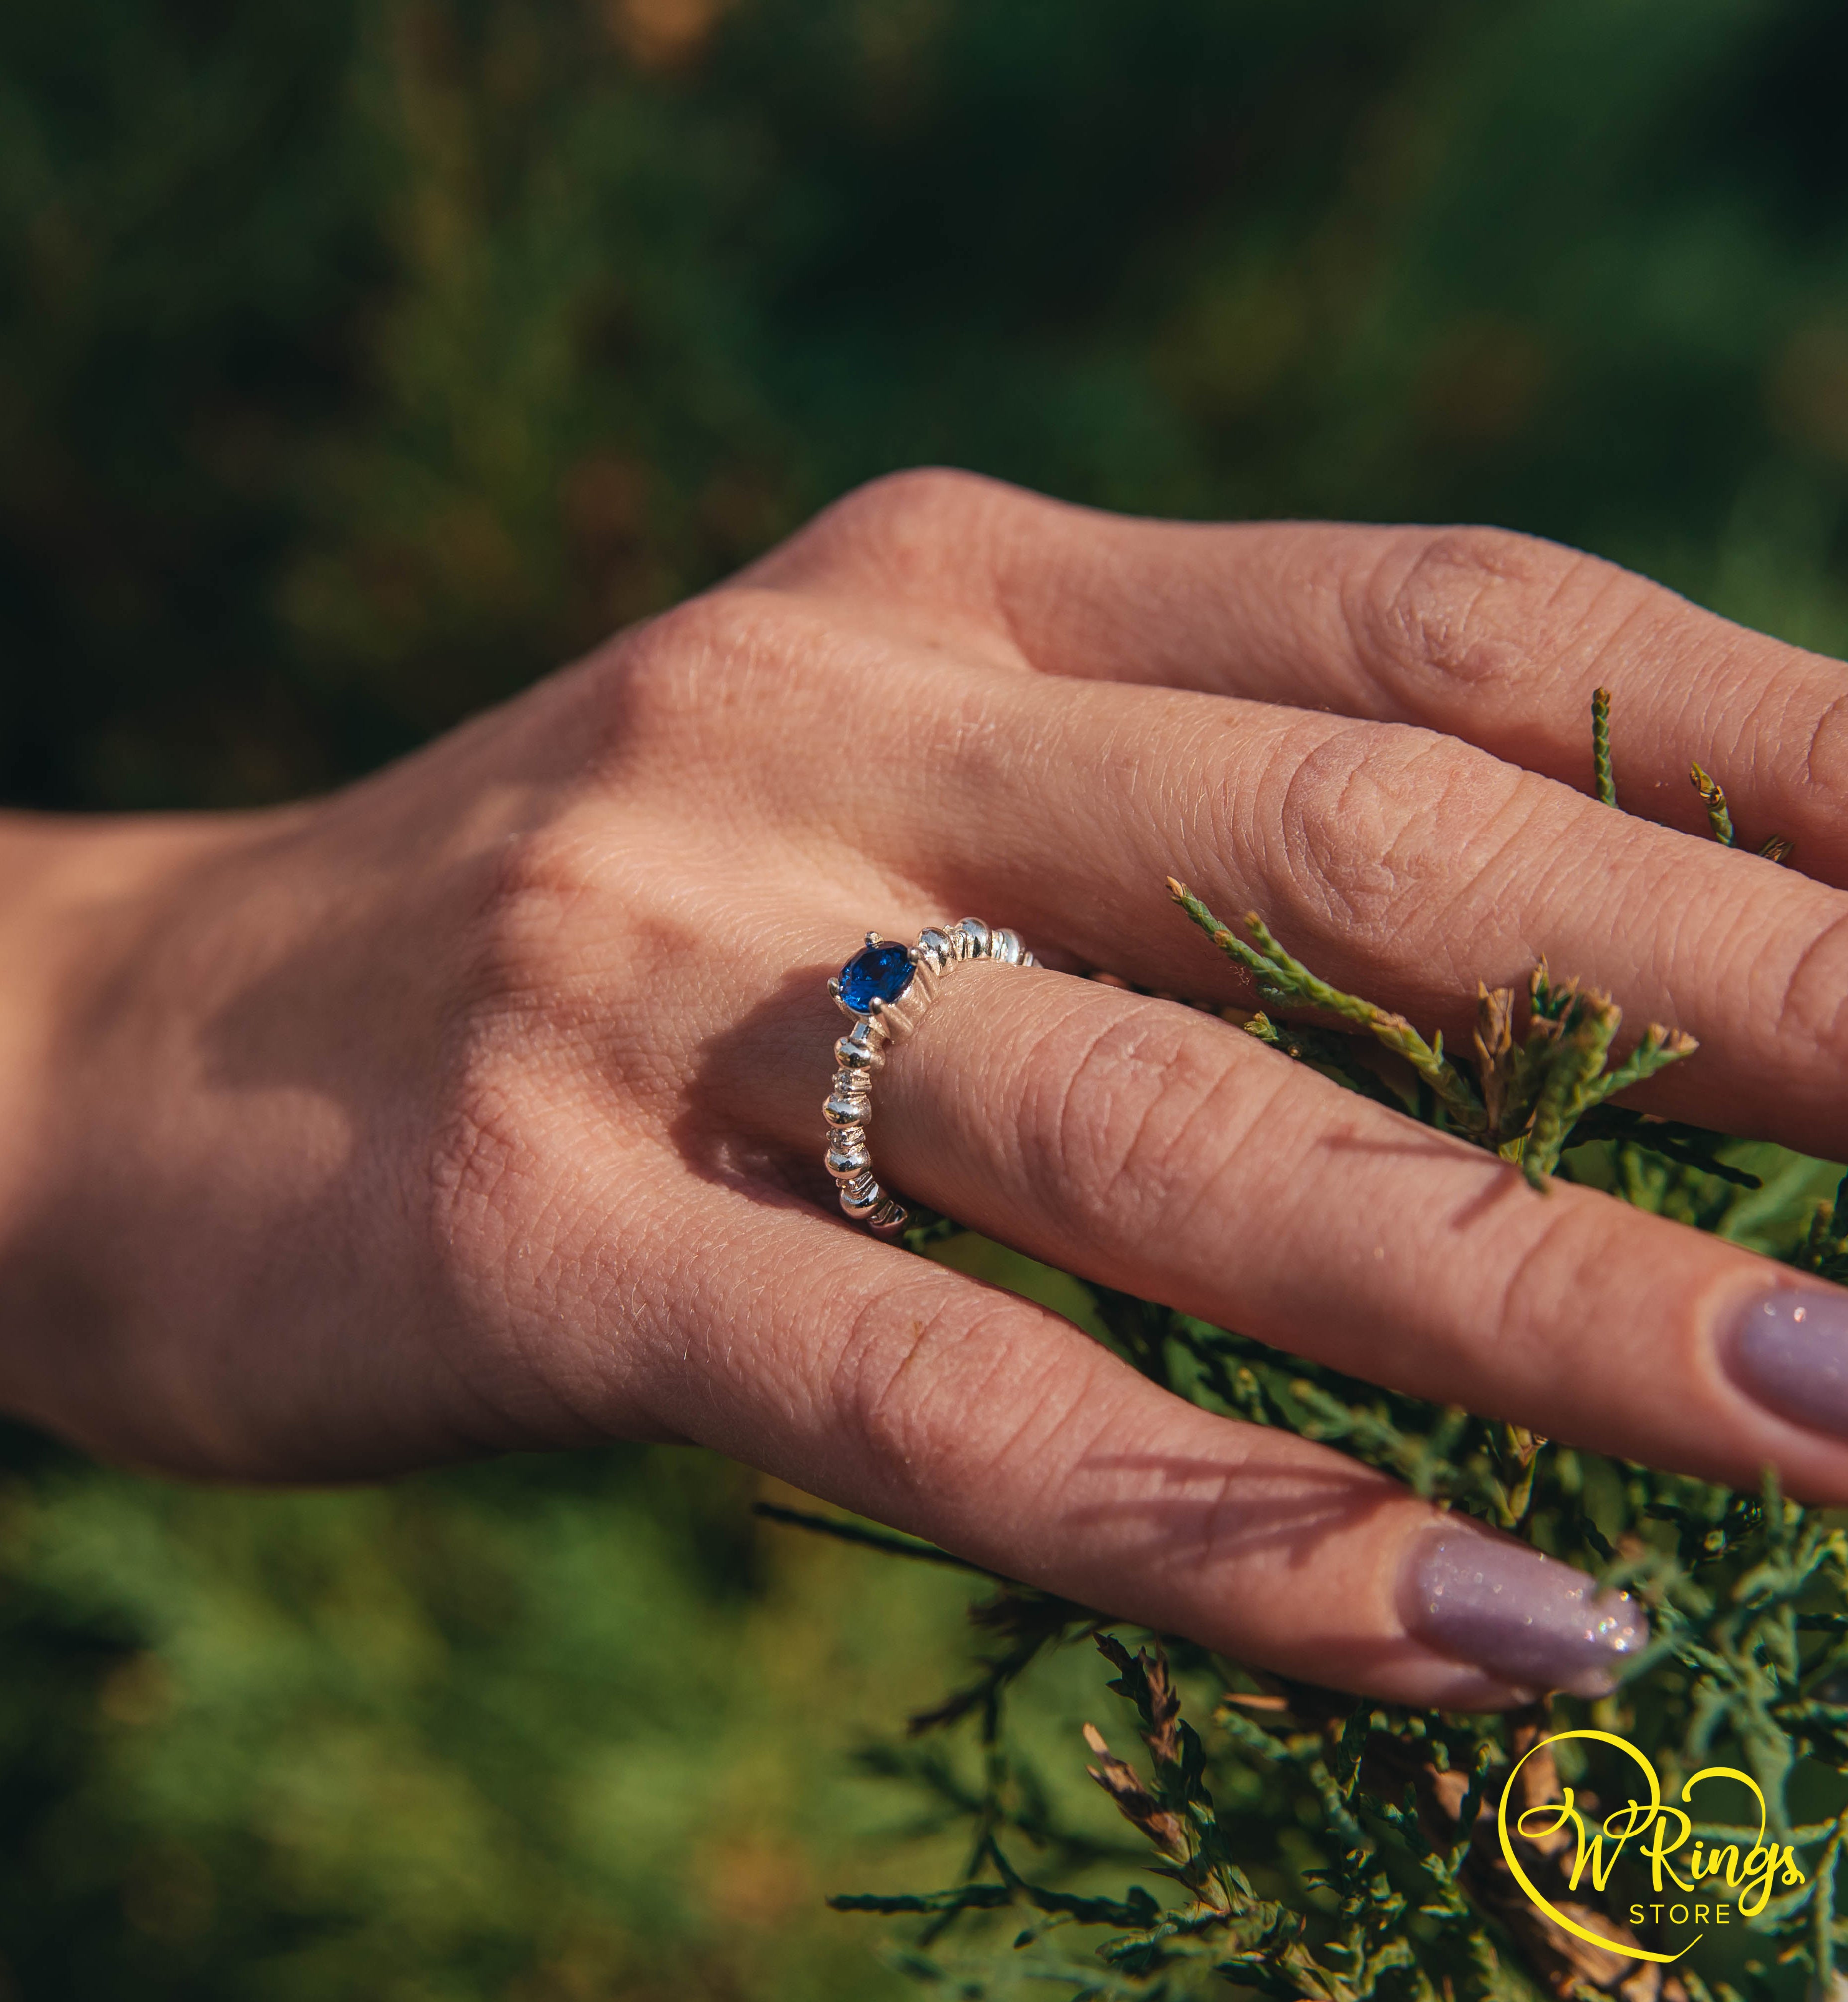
[1148, 1148]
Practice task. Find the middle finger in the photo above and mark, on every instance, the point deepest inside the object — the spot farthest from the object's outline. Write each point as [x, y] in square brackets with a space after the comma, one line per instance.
[1401, 863]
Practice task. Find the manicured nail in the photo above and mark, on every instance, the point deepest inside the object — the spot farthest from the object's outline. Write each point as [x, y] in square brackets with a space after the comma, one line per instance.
[1533, 1622]
[1789, 1350]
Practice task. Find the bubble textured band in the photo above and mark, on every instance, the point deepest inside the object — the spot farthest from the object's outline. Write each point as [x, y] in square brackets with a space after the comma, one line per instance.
[885, 988]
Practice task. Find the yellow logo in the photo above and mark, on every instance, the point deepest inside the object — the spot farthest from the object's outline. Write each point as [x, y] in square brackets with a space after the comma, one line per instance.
[1727, 1877]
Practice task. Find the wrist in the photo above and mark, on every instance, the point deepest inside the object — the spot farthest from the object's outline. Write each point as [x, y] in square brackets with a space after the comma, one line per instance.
[81, 900]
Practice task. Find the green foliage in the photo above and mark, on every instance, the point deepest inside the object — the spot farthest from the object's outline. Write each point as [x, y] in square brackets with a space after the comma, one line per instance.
[533, 1730]
[358, 362]
[1529, 1102]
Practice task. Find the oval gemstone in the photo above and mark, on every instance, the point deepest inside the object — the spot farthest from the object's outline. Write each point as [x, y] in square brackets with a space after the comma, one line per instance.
[879, 973]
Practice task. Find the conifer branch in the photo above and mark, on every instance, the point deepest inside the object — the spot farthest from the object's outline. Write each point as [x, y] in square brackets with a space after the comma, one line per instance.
[1283, 980]
[1528, 1095]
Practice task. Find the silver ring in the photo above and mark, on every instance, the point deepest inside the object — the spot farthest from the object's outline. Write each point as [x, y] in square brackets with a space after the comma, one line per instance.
[884, 989]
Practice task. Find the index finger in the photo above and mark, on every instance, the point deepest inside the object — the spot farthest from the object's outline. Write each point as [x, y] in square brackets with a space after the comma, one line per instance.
[1494, 638]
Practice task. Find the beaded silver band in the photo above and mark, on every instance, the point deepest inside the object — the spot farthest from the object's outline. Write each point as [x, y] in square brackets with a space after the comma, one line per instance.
[883, 1022]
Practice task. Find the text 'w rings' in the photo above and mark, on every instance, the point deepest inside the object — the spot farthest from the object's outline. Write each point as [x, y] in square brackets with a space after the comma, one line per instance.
[886, 987]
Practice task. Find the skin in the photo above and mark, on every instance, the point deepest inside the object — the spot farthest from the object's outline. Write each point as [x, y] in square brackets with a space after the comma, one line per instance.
[477, 1107]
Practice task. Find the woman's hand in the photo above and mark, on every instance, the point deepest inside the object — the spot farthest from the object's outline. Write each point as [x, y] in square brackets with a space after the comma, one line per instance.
[478, 1106]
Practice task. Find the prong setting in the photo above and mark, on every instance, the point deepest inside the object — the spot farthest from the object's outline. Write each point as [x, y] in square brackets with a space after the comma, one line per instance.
[897, 1021]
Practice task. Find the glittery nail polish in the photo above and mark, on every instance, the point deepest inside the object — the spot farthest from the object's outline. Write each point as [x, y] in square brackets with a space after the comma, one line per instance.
[1524, 1617]
[1788, 1349]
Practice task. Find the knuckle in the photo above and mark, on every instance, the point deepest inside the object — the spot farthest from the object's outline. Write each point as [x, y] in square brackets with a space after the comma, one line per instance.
[1825, 759]
[1383, 826]
[927, 504]
[1471, 607]
[1559, 1273]
[913, 1365]
[1813, 1009]
[1131, 1120]
[693, 666]
[923, 531]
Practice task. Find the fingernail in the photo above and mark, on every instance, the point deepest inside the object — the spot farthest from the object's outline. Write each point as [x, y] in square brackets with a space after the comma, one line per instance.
[1522, 1616]
[1789, 1350]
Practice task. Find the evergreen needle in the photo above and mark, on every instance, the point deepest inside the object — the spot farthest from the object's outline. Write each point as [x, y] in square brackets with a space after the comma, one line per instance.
[1719, 815]
[1603, 782]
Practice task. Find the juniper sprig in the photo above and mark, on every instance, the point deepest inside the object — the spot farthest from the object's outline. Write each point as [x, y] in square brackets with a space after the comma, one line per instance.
[1528, 1098]
[1603, 782]
[1719, 814]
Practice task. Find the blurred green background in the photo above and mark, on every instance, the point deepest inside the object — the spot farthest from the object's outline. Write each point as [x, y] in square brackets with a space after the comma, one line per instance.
[358, 363]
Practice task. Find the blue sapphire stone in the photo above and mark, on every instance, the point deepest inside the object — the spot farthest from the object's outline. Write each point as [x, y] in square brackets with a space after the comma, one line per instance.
[879, 973]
